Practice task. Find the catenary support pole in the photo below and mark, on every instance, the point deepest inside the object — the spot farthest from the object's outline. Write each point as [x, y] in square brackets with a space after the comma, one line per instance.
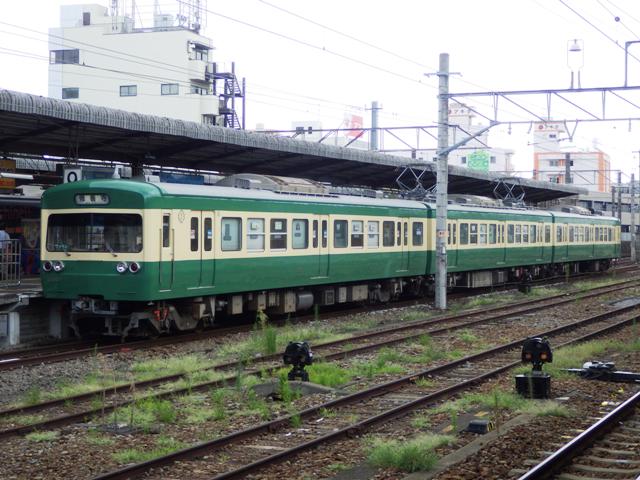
[442, 182]
[620, 196]
[373, 139]
[632, 228]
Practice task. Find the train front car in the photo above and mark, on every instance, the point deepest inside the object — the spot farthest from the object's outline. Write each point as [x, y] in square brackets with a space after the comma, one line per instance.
[97, 252]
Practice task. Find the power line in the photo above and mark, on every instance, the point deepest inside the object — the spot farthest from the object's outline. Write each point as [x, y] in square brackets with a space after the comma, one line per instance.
[616, 18]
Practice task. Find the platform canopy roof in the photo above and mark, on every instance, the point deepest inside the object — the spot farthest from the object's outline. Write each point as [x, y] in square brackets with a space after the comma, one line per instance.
[37, 125]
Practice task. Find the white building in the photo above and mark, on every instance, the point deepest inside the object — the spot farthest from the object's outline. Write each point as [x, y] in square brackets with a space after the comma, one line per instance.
[590, 169]
[102, 59]
[476, 154]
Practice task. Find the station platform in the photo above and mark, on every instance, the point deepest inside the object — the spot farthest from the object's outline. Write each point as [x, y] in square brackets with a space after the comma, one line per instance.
[26, 316]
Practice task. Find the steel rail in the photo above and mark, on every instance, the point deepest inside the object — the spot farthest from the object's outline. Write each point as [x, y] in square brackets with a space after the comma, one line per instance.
[217, 383]
[200, 449]
[563, 456]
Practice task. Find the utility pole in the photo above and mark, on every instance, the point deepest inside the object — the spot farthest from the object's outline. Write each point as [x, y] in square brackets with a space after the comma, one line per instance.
[567, 167]
[633, 218]
[373, 139]
[442, 182]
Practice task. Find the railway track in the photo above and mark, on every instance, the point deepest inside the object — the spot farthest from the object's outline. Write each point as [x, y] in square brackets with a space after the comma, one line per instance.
[329, 351]
[252, 449]
[74, 350]
[608, 449]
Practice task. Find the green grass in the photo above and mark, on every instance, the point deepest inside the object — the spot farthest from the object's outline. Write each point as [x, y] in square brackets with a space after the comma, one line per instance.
[158, 367]
[145, 413]
[408, 456]
[32, 396]
[164, 446]
[547, 408]
[23, 419]
[328, 374]
[467, 336]
[99, 440]
[42, 436]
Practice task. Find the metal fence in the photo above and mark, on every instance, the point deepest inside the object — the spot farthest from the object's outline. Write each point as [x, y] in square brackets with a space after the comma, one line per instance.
[10, 256]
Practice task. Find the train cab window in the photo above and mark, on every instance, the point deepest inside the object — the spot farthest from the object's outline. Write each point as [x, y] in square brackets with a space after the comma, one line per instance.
[418, 237]
[208, 234]
[340, 238]
[482, 234]
[473, 233]
[300, 239]
[357, 233]
[518, 236]
[511, 234]
[399, 233]
[464, 234]
[278, 240]
[166, 231]
[194, 234]
[547, 234]
[492, 233]
[405, 236]
[388, 234]
[373, 234]
[231, 233]
[314, 234]
[255, 234]
[525, 233]
[325, 233]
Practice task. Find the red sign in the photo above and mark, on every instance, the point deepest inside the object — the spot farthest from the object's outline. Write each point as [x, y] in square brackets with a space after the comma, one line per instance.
[356, 123]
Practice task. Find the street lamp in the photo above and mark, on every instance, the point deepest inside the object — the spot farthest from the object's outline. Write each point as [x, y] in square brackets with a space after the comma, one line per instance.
[575, 58]
[626, 58]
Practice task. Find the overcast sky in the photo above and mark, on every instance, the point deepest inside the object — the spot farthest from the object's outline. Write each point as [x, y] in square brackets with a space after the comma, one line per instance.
[298, 70]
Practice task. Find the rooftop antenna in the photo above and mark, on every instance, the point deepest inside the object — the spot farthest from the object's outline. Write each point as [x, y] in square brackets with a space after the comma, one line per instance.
[191, 14]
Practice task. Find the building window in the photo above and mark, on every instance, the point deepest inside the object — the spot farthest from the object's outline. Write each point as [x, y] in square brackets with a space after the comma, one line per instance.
[463, 160]
[128, 90]
[198, 90]
[86, 18]
[70, 93]
[166, 89]
[64, 56]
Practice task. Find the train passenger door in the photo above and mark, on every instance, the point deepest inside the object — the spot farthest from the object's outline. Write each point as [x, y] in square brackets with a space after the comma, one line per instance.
[167, 249]
[207, 262]
[403, 231]
[320, 244]
[452, 240]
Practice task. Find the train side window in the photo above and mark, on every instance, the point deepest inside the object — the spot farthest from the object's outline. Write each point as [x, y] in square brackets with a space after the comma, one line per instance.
[231, 232]
[194, 234]
[473, 233]
[300, 234]
[492, 233]
[518, 236]
[482, 234]
[587, 234]
[314, 234]
[399, 234]
[278, 239]
[340, 239]
[255, 234]
[208, 234]
[558, 233]
[166, 231]
[357, 233]
[511, 234]
[525, 233]
[418, 238]
[405, 230]
[533, 232]
[388, 234]
[464, 233]
[325, 233]
[547, 234]
[373, 234]
[455, 233]
[571, 234]
[448, 234]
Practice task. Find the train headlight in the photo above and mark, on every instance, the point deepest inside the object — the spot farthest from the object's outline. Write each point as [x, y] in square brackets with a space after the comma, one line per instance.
[122, 267]
[134, 267]
[46, 266]
[58, 266]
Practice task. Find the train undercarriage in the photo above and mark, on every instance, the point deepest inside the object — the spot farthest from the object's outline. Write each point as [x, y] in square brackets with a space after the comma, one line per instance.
[125, 319]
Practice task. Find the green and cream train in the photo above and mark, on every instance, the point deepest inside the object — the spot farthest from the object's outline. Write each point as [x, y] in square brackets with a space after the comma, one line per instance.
[137, 257]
